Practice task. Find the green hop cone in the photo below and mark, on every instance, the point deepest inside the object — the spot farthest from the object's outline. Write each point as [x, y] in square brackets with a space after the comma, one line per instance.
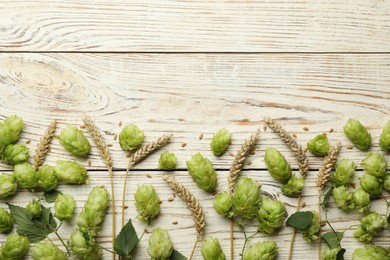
[94, 210]
[15, 153]
[319, 145]
[265, 250]
[131, 137]
[167, 161]
[10, 130]
[277, 165]
[46, 178]
[370, 226]
[25, 175]
[371, 184]
[160, 245]
[220, 142]
[371, 252]
[330, 254]
[64, 206]
[211, 249]
[74, 141]
[386, 183]
[271, 215]
[70, 172]
[343, 197]
[202, 172]
[147, 203]
[83, 248]
[294, 186]
[6, 221]
[375, 164]
[384, 139]
[344, 172]
[361, 200]
[357, 134]
[246, 199]
[34, 208]
[223, 204]
[15, 247]
[46, 250]
[311, 234]
[8, 185]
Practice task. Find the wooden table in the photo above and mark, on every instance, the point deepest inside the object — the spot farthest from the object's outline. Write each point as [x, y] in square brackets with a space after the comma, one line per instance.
[192, 67]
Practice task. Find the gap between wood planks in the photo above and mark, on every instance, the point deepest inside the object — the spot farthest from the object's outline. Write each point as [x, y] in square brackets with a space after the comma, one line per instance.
[201, 52]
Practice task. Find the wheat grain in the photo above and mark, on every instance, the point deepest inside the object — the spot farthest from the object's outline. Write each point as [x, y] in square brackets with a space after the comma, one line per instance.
[44, 145]
[327, 166]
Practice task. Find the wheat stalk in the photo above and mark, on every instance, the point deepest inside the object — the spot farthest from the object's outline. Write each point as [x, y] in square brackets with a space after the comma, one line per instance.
[327, 166]
[139, 155]
[106, 156]
[286, 137]
[44, 145]
[193, 205]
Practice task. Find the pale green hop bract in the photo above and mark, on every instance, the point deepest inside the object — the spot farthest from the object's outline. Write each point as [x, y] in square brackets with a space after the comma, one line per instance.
[370, 226]
[319, 145]
[15, 153]
[357, 134]
[361, 199]
[64, 206]
[131, 137]
[371, 184]
[202, 172]
[330, 254]
[46, 178]
[6, 221]
[386, 183]
[220, 142]
[46, 250]
[70, 172]
[10, 130]
[375, 164]
[211, 249]
[384, 139]
[74, 141]
[15, 247]
[25, 175]
[246, 199]
[371, 252]
[271, 215]
[312, 233]
[34, 207]
[223, 204]
[294, 186]
[344, 172]
[277, 165]
[147, 203]
[83, 249]
[343, 197]
[167, 161]
[265, 250]
[160, 245]
[8, 185]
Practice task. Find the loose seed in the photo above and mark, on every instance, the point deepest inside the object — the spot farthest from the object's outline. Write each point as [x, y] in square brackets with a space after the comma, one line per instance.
[303, 205]
[175, 222]
[323, 223]
[249, 162]
[82, 126]
[305, 129]
[160, 201]
[200, 136]
[120, 123]
[353, 185]
[28, 141]
[349, 146]
[183, 144]
[265, 128]
[231, 154]
[115, 136]
[109, 145]
[170, 199]
[89, 163]
[146, 230]
[174, 195]
[149, 175]
[125, 206]
[331, 130]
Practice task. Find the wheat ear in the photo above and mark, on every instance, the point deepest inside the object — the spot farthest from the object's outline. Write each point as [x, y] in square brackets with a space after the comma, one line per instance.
[106, 156]
[44, 145]
[193, 205]
[286, 137]
[327, 166]
[139, 155]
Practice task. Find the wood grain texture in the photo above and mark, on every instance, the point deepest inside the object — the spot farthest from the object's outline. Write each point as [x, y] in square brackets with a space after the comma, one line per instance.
[196, 26]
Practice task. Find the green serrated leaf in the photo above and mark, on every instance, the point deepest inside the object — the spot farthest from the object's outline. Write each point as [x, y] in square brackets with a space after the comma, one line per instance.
[333, 238]
[126, 240]
[35, 229]
[177, 256]
[340, 254]
[300, 220]
[327, 196]
[51, 196]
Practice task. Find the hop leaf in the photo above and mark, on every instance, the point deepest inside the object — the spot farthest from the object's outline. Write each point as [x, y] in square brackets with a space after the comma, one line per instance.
[344, 172]
[131, 137]
[147, 203]
[15, 247]
[64, 206]
[211, 249]
[261, 250]
[223, 204]
[8, 185]
[202, 172]
[270, 215]
[319, 145]
[343, 197]
[70, 172]
[371, 184]
[357, 134]
[167, 161]
[375, 164]
[220, 142]
[74, 141]
[47, 251]
[277, 165]
[15, 153]
[6, 221]
[25, 175]
[46, 178]
[293, 186]
[126, 240]
[246, 199]
[384, 140]
[160, 245]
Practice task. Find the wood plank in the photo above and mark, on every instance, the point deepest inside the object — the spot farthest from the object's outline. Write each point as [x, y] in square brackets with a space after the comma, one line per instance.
[196, 26]
[183, 233]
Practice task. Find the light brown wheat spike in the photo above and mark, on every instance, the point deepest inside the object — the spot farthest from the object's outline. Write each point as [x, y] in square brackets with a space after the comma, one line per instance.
[246, 148]
[106, 156]
[44, 145]
[327, 166]
[286, 137]
[192, 203]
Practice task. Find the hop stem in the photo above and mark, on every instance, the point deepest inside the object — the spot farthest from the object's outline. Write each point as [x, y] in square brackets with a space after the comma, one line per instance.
[193, 249]
[293, 233]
